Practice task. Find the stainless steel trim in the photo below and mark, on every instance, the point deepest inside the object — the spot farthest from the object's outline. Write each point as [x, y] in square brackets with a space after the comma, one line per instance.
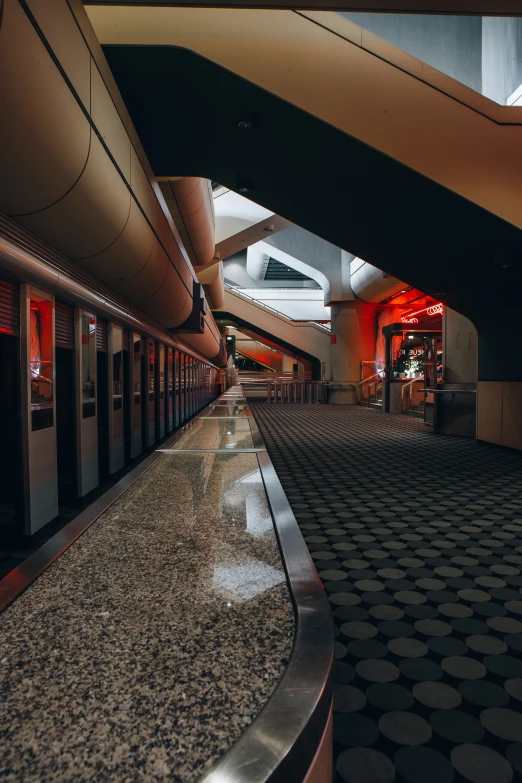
[210, 451]
[280, 744]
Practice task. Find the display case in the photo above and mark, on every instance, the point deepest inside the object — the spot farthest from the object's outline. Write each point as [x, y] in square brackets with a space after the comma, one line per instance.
[88, 364]
[40, 471]
[41, 362]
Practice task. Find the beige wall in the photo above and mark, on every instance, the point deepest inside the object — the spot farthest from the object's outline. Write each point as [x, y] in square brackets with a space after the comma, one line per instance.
[499, 413]
[460, 348]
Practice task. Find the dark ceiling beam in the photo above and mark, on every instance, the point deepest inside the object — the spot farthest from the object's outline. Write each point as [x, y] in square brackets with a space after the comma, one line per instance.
[452, 7]
[249, 236]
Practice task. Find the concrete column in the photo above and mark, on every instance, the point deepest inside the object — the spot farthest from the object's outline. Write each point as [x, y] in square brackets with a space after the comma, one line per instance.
[354, 331]
[288, 363]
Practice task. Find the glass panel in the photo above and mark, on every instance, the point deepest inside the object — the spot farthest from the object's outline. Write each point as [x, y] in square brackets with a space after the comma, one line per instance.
[117, 367]
[88, 330]
[151, 369]
[41, 366]
[136, 368]
[171, 370]
[161, 359]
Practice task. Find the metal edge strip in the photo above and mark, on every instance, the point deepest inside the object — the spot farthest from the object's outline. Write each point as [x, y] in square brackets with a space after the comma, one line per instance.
[23, 576]
[280, 744]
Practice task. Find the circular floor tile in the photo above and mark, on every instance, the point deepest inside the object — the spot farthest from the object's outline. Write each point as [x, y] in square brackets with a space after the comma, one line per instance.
[480, 764]
[514, 688]
[367, 648]
[437, 695]
[405, 728]
[386, 612]
[483, 693]
[463, 668]
[407, 647]
[433, 627]
[348, 699]
[503, 723]
[362, 765]
[377, 671]
[488, 645]
[504, 665]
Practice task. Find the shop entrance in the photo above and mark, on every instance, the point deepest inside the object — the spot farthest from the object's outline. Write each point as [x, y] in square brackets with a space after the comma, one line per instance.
[414, 368]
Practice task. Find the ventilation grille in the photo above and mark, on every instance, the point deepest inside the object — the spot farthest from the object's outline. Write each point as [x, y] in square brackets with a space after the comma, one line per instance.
[9, 307]
[64, 325]
[101, 335]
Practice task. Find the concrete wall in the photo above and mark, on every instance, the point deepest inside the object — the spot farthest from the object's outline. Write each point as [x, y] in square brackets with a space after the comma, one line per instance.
[333, 262]
[452, 44]
[501, 57]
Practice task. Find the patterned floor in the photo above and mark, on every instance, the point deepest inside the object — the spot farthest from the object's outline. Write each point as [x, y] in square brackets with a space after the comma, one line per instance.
[418, 540]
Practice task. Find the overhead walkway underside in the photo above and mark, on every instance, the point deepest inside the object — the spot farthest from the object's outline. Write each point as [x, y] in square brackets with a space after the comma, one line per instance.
[301, 338]
[418, 541]
[366, 146]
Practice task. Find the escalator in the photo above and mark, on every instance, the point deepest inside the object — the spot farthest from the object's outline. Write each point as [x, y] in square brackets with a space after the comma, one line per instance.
[305, 339]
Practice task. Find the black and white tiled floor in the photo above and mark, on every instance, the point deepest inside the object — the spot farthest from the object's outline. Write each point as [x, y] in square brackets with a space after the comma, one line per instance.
[418, 541]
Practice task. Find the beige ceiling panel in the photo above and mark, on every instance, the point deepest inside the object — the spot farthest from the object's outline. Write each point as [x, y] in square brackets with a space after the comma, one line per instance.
[127, 256]
[141, 187]
[150, 277]
[171, 304]
[91, 216]
[59, 27]
[109, 125]
[40, 158]
[422, 126]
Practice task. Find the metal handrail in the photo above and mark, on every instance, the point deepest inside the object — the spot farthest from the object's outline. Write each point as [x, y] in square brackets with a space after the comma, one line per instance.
[378, 385]
[237, 292]
[408, 386]
[360, 385]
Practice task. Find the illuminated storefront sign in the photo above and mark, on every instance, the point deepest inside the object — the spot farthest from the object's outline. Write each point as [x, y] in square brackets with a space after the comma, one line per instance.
[436, 309]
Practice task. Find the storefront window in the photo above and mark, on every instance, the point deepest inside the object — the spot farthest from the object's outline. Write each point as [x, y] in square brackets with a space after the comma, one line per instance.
[41, 364]
[117, 367]
[136, 368]
[88, 353]
[171, 371]
[151, 370]
[161, 359]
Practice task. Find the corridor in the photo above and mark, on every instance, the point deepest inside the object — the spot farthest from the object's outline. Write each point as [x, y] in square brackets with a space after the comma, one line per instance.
[418, 541]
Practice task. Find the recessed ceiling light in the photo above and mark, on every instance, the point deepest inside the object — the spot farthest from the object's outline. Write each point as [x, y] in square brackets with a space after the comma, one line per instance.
[245, 124]
[506, 266]
[243, 189]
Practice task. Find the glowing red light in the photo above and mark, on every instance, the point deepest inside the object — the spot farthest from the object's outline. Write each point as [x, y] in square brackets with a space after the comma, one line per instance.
[436, 309]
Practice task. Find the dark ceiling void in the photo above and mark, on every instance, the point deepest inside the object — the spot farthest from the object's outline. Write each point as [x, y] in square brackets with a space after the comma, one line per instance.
[272, 340]
[457, 7]
[186, 111]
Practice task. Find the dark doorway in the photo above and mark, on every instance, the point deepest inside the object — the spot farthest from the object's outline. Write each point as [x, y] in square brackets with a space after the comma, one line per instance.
[65, 429]
[103, 415]
[10, 454]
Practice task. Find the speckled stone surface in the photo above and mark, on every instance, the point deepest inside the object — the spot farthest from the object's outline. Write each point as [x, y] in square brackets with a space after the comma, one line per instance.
[145, 651]
[203, 433]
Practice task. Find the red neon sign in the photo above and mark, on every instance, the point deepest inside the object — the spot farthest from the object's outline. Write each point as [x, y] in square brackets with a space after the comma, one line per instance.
[436, 309]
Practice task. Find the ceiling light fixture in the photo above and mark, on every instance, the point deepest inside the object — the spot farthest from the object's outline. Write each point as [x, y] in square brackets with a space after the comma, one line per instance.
[245, 124]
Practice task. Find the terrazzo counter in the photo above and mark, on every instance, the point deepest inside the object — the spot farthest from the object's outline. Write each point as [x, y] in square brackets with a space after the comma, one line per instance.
[145, 651]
